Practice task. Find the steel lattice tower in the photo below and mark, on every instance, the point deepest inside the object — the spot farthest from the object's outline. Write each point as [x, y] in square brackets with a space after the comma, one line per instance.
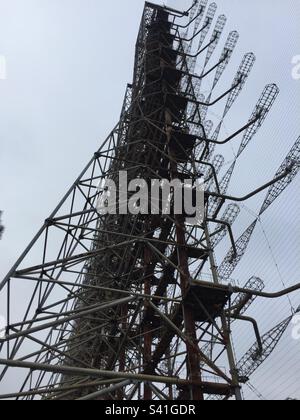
[118, 306]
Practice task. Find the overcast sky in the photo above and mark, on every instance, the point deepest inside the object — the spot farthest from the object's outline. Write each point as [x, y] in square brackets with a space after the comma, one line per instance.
[68, 62]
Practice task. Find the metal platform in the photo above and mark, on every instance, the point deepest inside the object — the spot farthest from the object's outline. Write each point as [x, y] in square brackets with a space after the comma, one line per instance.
[206, 303]
[182, 144]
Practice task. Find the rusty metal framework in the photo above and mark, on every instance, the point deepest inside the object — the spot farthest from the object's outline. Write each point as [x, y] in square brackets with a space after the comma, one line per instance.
[134, 306]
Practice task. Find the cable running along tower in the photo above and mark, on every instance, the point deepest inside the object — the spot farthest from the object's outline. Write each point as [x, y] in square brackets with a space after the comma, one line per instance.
[136, 306]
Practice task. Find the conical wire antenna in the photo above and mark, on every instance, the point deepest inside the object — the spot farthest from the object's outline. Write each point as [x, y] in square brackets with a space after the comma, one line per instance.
[226, 55]
[230, 215]
[237, 87]
[290, 166]
[256, 120]
[292, 162]
[255, 357]
[240, 79]
[232, 260]
[203, 32]
[259, 114]
[215, 38]
[218, 163]
[243, 300]
[200, 14]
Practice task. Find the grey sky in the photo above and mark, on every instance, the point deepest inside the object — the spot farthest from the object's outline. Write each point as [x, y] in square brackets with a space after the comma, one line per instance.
[68, 62]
